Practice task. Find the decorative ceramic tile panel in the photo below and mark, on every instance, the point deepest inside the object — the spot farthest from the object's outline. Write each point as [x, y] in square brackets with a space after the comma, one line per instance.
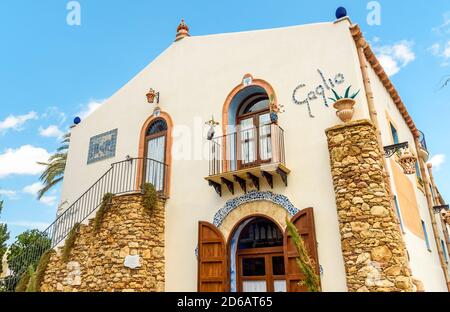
[251, 196]
[102, 146]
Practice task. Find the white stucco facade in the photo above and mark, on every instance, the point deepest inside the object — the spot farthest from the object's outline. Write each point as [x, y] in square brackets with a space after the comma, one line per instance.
[194, 77]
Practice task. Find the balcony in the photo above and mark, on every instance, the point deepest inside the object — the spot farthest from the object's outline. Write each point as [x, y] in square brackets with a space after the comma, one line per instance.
[423, 150]
[247, 157]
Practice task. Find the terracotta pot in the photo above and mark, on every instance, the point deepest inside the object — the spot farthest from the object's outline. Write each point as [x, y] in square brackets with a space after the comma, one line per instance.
[344, 109]
[408, 162]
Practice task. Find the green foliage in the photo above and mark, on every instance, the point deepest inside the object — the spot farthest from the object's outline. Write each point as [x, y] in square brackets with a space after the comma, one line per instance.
[42, 267]
[70, 241]
[54, 167]
[304, 261]
[31, 286]
[347, 95]
[106, 203]
[27, 282]
[150, 197]
[31, 242]
[4, 236]
[23, 282]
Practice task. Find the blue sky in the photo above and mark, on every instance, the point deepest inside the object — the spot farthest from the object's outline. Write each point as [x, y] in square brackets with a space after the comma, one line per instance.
[51, 71]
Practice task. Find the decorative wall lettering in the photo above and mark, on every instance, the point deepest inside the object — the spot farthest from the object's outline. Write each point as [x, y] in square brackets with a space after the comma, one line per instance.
[319, 91]
[102, 146]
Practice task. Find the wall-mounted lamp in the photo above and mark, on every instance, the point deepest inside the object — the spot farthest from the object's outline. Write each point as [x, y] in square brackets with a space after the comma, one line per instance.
[152, 95]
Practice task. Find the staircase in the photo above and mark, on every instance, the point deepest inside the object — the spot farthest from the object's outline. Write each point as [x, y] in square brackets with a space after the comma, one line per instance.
[123, 177]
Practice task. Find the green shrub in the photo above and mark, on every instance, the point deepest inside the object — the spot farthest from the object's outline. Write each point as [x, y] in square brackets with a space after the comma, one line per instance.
[42, 267]
[23, 282]
[150, 197]
[31, 287]
[106, 203]
[304, 260]
[70, 240]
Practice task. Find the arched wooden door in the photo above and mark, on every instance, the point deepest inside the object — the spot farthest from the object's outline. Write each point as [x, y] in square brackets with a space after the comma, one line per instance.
[304, 222]
[212, 259]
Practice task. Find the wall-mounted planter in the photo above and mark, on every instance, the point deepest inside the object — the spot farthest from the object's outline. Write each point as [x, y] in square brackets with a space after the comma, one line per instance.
[408, 162]
[345, 109]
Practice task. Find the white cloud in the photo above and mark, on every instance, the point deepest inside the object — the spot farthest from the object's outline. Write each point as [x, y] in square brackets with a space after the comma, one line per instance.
[53, 112]
[22, 161]
[444, 28]
[437, 161]
[396, 56]
[8, 193]
[16, 122]
[389, 64]
[441, 51]
[90, 107]
[51, 131]
[29, 224]
[33, 189]
[48, 200]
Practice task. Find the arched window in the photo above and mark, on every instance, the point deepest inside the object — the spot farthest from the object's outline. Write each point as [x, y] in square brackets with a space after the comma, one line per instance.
[260, 257]
[254, 131]
[155, 154]
[254, 103]
[156, 127]
[260, 233]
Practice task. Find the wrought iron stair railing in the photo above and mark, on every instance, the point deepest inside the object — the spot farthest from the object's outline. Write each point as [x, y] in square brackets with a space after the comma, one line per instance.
[121, 178]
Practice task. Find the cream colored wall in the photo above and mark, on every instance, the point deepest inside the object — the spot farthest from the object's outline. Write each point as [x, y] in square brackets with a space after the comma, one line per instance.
[425, 265]
[194, 76]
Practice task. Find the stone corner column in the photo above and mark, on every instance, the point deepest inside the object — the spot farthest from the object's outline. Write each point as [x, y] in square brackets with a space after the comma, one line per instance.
[372, 245]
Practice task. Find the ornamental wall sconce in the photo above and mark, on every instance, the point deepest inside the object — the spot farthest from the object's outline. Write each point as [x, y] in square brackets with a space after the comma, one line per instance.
[152, 95]
[406, 159]
[212, 124]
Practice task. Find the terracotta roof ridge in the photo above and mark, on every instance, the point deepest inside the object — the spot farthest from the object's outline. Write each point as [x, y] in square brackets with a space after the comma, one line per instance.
[387, 83]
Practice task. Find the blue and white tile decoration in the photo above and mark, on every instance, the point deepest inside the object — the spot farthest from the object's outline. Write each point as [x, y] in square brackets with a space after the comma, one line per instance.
[252, 196]
[102, 146]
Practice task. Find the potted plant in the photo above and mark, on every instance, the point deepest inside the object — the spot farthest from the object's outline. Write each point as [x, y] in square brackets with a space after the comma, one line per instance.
[407, 161]
[274, 109]
[344, 105]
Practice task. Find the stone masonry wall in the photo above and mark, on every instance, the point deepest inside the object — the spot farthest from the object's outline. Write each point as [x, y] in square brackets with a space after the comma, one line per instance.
[96, 261]
[372, 245]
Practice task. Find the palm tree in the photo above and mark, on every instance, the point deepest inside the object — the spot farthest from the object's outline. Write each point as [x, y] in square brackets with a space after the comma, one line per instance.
[54, 171]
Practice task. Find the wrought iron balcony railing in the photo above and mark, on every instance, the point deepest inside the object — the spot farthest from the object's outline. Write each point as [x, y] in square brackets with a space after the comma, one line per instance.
[423, 152]
[247, 148]
[248, 153]
[123, 177]
[422, 140]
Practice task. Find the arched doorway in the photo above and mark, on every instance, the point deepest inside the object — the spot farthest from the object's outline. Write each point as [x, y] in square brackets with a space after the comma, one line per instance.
[260, 256]
[155, 154]
[253, 128]
[254, 258]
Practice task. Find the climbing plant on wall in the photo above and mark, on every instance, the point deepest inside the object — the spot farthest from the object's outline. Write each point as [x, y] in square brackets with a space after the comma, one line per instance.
[304, 260]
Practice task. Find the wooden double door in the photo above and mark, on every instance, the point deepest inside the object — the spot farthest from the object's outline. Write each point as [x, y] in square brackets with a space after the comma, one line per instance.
[264, 269]
[261, 270]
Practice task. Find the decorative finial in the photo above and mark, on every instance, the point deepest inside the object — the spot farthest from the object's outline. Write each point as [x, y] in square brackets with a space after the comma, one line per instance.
[212, 123]
[182, 31]
[341, 12]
